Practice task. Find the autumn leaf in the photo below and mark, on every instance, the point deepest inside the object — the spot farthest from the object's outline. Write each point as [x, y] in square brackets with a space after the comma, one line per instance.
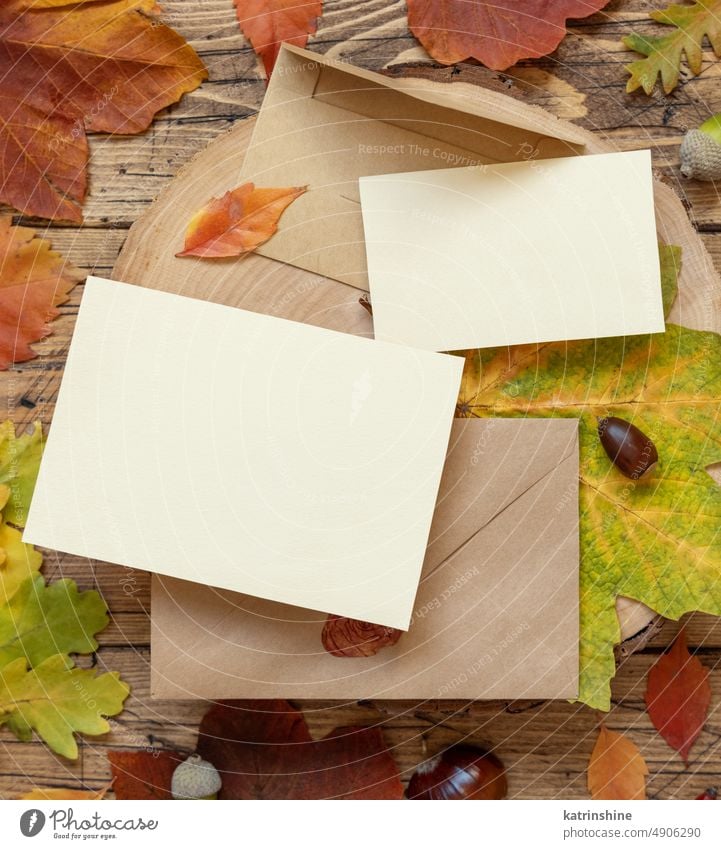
[237, 223]
[105, 66]
[268, 23]
[617, 769]
[63, 794]
[664, 53]
[143, 773]
[654, 540]
[498, 33]
[19, 465]
[263, 750]
[34, 281]
[344, 637]
[678, 696]
[43, 620]
[18, 560]
[55, 700]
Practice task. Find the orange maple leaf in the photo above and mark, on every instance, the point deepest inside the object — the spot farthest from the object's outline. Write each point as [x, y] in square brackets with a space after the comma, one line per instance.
[617, 769]
[268, 23]
[497, 33]
[678, 696]
[238, 222]
[34, 280]
[74, 65]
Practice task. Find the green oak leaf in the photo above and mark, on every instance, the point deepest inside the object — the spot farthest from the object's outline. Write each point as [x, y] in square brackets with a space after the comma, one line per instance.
[42, 620]
[654, 540]
[691, 24]
[19, 464]
[55, 699]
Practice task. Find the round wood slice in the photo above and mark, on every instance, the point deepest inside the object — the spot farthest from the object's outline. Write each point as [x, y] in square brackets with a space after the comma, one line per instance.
[264, 285]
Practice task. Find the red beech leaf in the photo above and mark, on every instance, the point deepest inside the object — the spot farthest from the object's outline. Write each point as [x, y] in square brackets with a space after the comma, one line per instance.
[344, 637]
[101, 65]
[268, 23]
[498, 33]
[237, 223]
[263, 750]
[34, 280]
[678, 696]
[143, 773]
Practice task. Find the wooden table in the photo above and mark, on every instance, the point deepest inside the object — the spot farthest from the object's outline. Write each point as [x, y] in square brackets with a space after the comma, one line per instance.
[544, 745]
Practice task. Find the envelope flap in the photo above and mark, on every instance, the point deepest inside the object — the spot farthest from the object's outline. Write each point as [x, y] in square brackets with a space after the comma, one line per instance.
[358, 90]
[489, 468]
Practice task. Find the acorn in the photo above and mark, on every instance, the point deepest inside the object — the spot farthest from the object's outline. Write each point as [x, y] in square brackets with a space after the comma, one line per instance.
[701, 151]
[628, 448]
[195, 779]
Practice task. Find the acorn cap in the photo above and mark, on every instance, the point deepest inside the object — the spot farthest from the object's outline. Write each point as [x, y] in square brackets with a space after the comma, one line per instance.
[700, 156]
[195, 779]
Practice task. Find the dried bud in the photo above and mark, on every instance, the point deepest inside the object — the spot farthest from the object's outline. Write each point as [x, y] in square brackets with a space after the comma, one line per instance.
[629, 448]
[365, 302]
[344, 637]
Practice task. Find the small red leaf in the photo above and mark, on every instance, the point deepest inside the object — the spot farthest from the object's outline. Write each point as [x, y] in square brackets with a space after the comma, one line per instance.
[143, 774]
[268, 23]
[263, 750]
[237, 223]
[678, 696]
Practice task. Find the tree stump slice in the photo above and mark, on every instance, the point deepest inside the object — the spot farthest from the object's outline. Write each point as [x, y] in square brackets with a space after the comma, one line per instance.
[263, 285]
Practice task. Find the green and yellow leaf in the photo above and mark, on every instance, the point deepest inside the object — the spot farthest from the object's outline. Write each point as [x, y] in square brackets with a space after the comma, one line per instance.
[19, 464]
[664, 53]
[18, 561]
[43, 620]
[56, 700]
[653, 540]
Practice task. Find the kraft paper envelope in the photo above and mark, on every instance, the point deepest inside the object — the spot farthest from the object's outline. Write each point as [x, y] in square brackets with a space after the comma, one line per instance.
[496, 614]
[325, 123]
[247, 452]
[515, 253]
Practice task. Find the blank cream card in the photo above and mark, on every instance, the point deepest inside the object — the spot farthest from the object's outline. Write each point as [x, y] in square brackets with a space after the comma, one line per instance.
[533, 251]
[246, 452]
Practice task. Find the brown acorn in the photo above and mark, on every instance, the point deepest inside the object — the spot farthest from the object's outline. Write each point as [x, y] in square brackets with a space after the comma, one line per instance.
[629, 448]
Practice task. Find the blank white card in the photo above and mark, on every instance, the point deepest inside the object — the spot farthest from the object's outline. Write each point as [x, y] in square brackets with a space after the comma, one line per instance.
[523, 252]
[245, 452]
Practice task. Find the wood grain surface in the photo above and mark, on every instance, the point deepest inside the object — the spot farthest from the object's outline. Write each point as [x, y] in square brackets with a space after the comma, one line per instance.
[545, 745]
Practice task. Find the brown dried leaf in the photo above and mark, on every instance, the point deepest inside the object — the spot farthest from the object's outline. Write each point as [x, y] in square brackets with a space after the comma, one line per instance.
[344, 637]
[263, 750]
